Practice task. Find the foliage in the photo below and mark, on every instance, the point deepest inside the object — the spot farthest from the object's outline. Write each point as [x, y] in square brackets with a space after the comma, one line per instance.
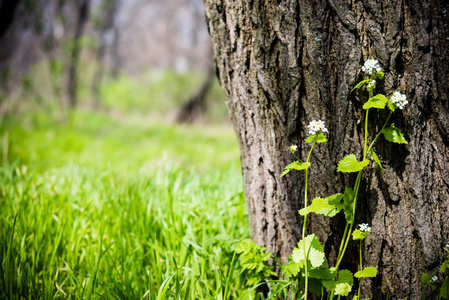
[103, 208]
[296, 165]
[350, 164]
[315, 252]
[394, 135]
[156, 93]
[366, 272]
[159, 92]
[440, 290]
[307, 266]
[253, 260]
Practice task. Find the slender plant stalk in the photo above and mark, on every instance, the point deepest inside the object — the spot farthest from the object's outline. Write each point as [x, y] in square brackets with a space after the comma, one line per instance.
[366, 134]
[348, 235]
[304, 227]
[343, 238]
[361, 268]
[378, 134]
[356, 190]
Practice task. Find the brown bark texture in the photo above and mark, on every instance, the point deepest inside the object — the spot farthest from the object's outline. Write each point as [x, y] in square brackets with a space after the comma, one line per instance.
[282, 64]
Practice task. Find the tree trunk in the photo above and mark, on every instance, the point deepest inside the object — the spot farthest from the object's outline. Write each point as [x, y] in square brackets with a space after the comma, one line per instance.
[72, 86]
[109, 9]
[196, 105]
[282, 64]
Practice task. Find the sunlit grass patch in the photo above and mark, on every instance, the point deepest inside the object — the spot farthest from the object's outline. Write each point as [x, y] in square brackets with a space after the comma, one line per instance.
[95, 140]
[100, 208]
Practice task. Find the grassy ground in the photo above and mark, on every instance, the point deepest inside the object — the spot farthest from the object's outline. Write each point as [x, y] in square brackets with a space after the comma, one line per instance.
[104, 208]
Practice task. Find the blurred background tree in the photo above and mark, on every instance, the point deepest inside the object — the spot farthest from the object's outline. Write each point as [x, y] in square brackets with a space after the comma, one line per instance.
[95, 53]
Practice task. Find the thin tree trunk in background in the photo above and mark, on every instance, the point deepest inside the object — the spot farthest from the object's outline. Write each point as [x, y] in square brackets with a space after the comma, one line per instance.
[115, 52]
[107, 24]
[282, 64]
[72, 92]
[196, 105]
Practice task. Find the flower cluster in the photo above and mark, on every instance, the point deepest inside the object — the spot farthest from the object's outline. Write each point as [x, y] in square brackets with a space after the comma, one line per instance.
[399, 100]
[293, 148]
[364, 227]
[371, 65]
[316, 126]
[371, 84]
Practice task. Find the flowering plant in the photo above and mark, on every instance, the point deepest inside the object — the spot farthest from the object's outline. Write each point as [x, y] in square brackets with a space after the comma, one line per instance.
[308, 262]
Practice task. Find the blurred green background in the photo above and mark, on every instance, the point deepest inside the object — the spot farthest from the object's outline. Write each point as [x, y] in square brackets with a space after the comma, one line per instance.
[120, 175]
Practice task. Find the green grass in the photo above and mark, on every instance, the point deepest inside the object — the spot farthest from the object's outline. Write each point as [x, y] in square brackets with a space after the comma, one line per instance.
[101, 208]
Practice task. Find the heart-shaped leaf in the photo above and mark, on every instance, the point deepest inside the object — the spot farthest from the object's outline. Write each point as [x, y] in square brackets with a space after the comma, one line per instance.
[296, 165]
[377, 101]
[367, 272]
[394, 134]
[350, 164]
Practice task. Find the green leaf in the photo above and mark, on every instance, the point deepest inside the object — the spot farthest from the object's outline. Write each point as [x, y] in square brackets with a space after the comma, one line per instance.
[335, 199]
[360, 84]
[293, 268]
[342, 289]
[394, 134]
[445, 266]
[320, 138]
[335, 202]
[367, 272]
[380, 75]
[377, 101]
[425, 279]
[343, 285]
[329, 206]
[359, 235]
[391, 105]
[350, 164]
[328, 274]
[348, 201]
[315, 286]
[315, 251]
[296, 165]
[318, 204]
[376, 159]
[444, 289]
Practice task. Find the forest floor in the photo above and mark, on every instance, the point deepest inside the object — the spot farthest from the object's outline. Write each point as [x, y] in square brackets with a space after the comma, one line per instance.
[99, 207]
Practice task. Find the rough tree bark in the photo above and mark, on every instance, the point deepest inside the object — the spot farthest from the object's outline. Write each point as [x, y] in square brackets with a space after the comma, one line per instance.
[284, 63]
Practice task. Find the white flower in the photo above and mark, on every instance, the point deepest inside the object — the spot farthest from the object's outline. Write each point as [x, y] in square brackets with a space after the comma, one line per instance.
[364, 227]
[316, 126]
[399, 100]
[293, 148]
[434, 279]
[371, 84]
[371, 65]
[447, 245]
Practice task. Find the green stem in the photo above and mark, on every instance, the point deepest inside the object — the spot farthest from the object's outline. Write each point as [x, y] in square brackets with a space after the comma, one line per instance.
[361, 268]
[304, 227]
[361, 260]
[378, 134]
[343, 238]
[356, 192]
[346, 239]
[366, 134]
[297, 157]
